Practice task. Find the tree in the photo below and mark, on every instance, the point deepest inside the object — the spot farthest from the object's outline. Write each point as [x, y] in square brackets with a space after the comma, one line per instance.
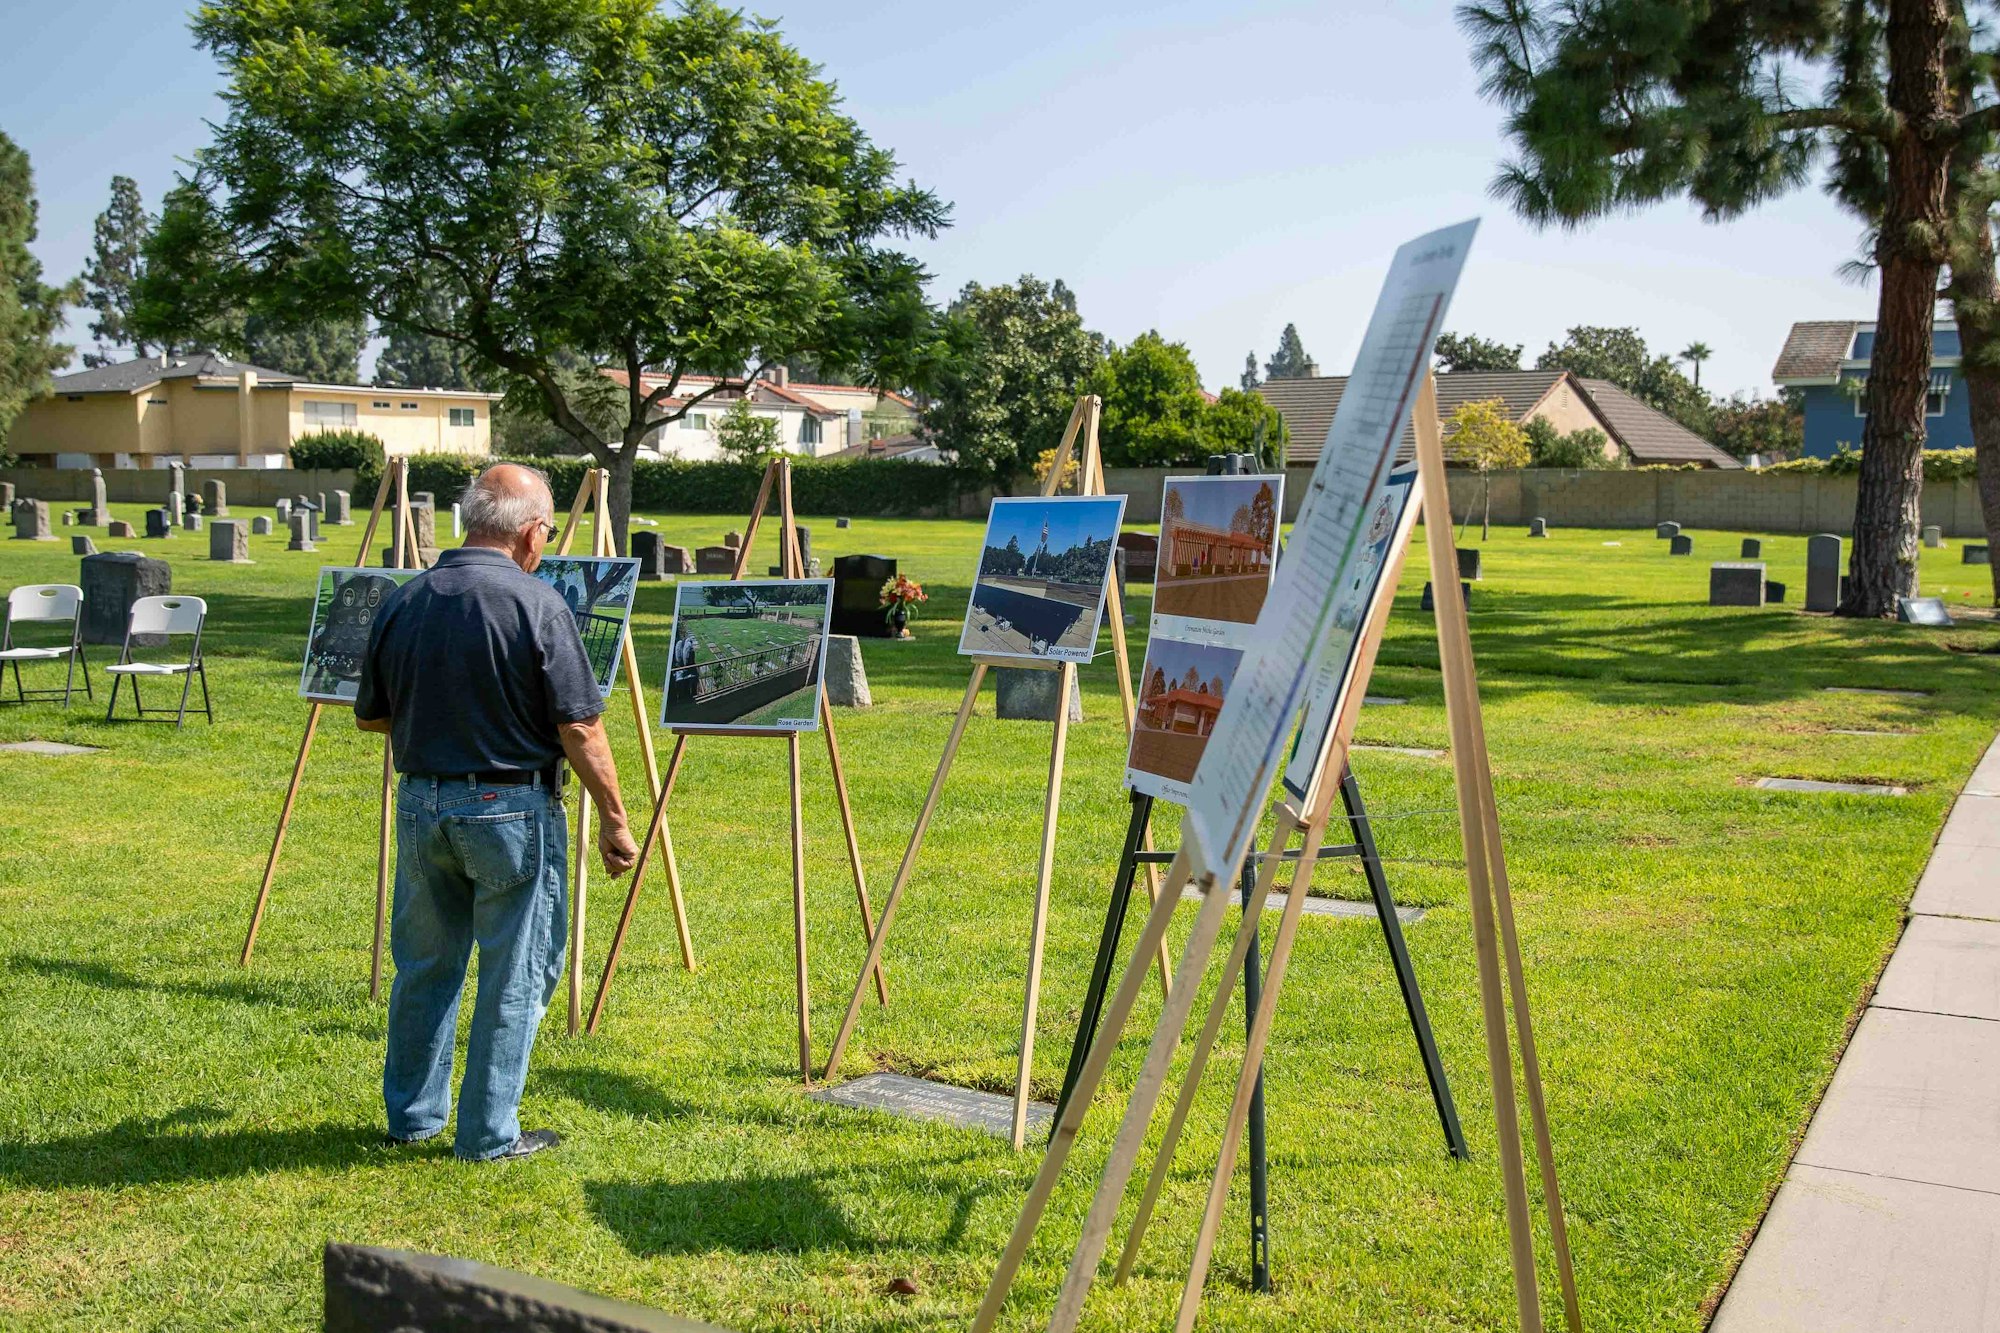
[1747, 425]
[1264, 515]
[117, 258]
[1248, 379]
[418, 360]
[1466, 351]
[1626, 102]
[1578, 449]
[745, 437]
[1153, 404]
[1694, 354]
[1017, 356]
[326, 351]
[1481, 435]
[1240, 422]
[1290, 361]
[1621, 356]
[654, 190]
[1174, 508]
[30, 310]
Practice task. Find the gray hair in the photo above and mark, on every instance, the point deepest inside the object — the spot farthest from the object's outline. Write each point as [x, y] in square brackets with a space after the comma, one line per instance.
[492, 507]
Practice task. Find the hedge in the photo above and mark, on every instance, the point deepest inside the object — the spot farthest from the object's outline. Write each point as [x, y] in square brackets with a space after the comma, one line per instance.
[872, 486]
[1939, 464]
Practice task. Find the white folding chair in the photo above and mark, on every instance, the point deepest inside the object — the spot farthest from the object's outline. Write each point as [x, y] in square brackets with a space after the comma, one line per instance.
[39, 603]
[167, 616]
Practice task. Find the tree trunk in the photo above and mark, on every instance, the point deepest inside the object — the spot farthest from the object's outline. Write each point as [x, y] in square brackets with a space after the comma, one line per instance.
[620, 467]
[1975, 302]
[1910, 249]
[1486, 513]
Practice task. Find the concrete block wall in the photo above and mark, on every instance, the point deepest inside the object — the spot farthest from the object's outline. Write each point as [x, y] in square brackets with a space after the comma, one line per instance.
[254, 487]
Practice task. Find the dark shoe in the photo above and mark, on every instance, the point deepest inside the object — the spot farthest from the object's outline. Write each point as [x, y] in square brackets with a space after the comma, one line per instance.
[528, 1145]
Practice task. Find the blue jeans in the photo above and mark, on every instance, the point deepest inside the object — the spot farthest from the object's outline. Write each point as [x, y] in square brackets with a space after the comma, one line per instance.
[473, 863]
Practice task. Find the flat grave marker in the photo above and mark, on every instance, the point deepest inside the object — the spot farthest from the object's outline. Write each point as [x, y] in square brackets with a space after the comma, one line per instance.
[50, 748]
[1416, 751]
[1923, 611]
[921, 1099]
[1871, 689]
[1739, 583]
[1846, 788]
[1975, 553]
[1275, 901]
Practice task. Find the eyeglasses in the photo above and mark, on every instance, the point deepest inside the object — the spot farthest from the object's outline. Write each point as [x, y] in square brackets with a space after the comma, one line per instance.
[549, 531]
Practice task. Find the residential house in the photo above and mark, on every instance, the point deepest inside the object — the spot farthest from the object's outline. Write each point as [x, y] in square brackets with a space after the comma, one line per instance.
[1635, 432]
[212, 412]
[902, 448]
[814, 420]
[1827, 362]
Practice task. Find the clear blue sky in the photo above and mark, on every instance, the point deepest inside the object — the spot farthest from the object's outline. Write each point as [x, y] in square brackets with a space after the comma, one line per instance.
[1211, 171]
[1071, 520]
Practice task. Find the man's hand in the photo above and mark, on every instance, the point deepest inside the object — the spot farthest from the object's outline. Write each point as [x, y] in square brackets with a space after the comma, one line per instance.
[615, 845]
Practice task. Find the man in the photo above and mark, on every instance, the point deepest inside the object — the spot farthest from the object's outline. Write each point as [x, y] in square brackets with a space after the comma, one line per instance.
[476, 673]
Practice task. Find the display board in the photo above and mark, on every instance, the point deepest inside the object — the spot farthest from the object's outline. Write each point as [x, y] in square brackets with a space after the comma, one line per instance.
[343, 613]
[748, 655]
[599, 591]
[1038, 593]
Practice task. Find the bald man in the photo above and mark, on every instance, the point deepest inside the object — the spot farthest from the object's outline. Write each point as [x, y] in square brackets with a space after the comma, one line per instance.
[476, 673]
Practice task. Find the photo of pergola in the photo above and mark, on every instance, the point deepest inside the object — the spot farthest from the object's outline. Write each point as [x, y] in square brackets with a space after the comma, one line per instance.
[598, 591]
[748, 655]
[1218, 538]
[1040, 587]
[1181, 691]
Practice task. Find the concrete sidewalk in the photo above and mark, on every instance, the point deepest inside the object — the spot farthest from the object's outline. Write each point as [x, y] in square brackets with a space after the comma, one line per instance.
[1890, 1215]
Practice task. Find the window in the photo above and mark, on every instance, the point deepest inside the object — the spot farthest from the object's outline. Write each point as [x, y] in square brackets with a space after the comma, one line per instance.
[1934, 403]
[325, 415]
[695, 421]
[381, 403]
[463, 416]
[809, 429]
[411, 407]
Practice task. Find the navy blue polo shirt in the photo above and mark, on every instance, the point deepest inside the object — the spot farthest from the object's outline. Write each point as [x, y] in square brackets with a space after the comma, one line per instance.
[475, 664]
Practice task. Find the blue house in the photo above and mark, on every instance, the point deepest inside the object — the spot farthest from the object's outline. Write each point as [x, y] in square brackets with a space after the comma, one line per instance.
[1827, 361]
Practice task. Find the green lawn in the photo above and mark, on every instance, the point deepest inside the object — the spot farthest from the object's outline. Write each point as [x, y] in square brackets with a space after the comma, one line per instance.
[178, 1136]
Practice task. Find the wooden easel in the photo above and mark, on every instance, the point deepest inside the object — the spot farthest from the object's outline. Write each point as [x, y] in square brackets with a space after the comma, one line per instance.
[1090, 481]
[1307, 820]
[778, 480]
[595, 491]
[403, 546]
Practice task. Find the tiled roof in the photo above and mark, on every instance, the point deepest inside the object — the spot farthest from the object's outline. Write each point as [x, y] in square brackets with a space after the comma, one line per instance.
[1814, 349]
[131, 376]
[1648, 434]
[855, 388]
[1308, 405]
[762, 391]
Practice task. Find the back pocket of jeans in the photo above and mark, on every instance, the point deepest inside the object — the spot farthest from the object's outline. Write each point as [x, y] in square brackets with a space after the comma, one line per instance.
[499, 851]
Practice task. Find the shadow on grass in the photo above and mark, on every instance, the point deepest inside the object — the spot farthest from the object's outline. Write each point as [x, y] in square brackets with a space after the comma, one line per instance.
[616, 1093]
[239, 991]
[170, 1149]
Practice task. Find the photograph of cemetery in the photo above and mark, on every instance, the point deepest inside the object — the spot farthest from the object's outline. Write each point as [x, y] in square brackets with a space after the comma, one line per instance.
[343, 612]
[599, 592]
[748, 655]
[1181, 689]
[1218, 538]
[1040, 587]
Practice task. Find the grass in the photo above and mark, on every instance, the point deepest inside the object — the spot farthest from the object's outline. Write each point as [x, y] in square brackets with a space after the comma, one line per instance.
[179, 1136]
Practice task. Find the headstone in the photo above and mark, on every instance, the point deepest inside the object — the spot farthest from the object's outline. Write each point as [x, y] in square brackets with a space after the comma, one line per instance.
[1030, 694]
[190, 504]
[1933, 536]
[1974, 553]
[176, 482]
[69, 518]
[733, 540]
[1429, 602]
[283, 509]
[7, 495]
[421, 558]
[1666, 530]
[368, 1290]
[676, 560]
[1680, 546]
[1913, 611]
[99, 512]
[342, 513]
[1538, 527]
[715, 560]
[301, 501]
[423, 516]
[1753, 549]
[1142, 555]
[1774, 593]
[312, 518]
[1736, 584]
[215, 495]
[805, 554]
[1468, 563]
[118, 527]
[159, 523]
[176, 508]
[260, 526]
[1823, 561]
[301, 534]
[321, 498]
[846, 677]
[647, 549]
[857, 594]
[229, 539]
[428, 499]
[192, 522]
[111, 582]
[840, 523]
[82, 546]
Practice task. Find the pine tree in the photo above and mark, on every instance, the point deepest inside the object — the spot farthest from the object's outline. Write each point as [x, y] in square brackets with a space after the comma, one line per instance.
[1248, 379]
[30, 311]
[326, 352]
[116, 261]
[416, 359]
[1290, 361]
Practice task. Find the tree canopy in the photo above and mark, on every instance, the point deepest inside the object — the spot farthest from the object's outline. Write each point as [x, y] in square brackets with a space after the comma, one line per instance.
[30, 309]
[665, 191]
[1290, 361]
[1466, 351]
[1153, 404]
[1621, 356]
[418, 360]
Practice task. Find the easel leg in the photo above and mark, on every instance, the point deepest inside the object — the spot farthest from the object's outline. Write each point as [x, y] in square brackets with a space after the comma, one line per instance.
[903, 871]
[1038, 930]
[799, 914]
[654, 835]
[1406, 973]
[278, 839]
[382, 869]
[853, 842]
[578, 902]
[1253, 985]
[1107, 947]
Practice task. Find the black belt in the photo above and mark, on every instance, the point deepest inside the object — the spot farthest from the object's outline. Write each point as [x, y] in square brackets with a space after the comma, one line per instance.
[502, 777]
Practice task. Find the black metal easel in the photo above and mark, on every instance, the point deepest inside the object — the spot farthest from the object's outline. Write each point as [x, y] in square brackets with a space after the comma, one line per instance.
[1362, 846]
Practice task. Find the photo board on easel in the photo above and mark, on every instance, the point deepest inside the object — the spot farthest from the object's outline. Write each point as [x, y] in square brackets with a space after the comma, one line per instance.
[343, 613]
[600, 592]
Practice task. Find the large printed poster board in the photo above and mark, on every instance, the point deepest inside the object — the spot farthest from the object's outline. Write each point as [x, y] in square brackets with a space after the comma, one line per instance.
[599, 592]
[1294, 633]
[1039, 591]
[343, 613]
[748, 655]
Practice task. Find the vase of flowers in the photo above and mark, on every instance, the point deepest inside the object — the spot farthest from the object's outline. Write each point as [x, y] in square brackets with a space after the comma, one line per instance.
[898, 596]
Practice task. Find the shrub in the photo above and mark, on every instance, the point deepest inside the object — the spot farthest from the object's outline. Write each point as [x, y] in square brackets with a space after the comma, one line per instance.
[1939, 464]
[336, 449]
